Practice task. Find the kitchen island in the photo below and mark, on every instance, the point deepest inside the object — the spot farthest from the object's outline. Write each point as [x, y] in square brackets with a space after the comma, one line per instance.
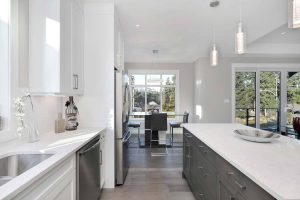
[55, 177]
[219, 165]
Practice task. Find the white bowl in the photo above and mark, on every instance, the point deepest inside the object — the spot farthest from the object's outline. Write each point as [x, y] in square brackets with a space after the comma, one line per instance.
[256, 135]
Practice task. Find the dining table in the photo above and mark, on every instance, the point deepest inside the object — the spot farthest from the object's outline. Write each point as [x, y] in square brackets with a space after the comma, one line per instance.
[145, 142]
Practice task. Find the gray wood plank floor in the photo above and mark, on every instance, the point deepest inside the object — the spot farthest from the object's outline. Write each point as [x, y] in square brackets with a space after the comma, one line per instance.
[152, 178]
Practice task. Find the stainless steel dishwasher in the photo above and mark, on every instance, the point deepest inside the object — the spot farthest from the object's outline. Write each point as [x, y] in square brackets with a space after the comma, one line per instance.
[89, 160]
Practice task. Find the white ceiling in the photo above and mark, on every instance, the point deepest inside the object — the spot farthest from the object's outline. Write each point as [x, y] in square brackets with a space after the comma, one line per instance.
[182, 29]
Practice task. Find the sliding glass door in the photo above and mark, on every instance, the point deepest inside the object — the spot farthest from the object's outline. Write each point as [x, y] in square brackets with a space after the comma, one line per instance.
[266, 97]
[293, 95]
[258, 99]
[245, 98]
[269, 94]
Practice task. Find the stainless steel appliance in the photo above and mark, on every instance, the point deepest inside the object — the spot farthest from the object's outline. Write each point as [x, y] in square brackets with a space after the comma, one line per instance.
[89, 160]
[122, 134]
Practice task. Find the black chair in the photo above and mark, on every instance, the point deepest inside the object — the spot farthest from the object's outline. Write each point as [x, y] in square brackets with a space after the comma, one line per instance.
[178, 125]
[158, 123]
[137, 125]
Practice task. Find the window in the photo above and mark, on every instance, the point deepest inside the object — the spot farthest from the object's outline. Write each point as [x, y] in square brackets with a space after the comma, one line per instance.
[4, 62]
[293, 94]
[266, 95]
[245, 98]
[153, 92]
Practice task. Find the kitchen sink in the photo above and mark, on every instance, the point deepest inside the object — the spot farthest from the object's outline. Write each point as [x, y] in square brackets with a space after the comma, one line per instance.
[15, 164]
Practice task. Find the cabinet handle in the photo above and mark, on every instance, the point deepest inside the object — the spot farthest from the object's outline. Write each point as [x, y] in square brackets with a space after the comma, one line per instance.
[188, 135]
[202, 170]
[100, 157]
[201, 146]
[75, 87]
[201, 195]
[241, 186]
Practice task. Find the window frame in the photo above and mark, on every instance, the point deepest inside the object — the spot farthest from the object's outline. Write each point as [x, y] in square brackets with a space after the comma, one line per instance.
[161, 86]
[5, 76]
[283, 68]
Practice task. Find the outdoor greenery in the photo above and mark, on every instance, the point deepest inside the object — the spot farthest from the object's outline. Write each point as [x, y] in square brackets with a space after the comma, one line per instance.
[293, 94]
[154, 95]
[245, 93]
[168, 96]
[139, 99]
[245, 90]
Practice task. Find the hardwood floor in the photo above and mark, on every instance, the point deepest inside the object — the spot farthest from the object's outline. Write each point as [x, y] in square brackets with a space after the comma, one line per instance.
[152, 178]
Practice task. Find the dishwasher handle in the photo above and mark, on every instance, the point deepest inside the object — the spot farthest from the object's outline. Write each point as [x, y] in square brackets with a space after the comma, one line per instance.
[91, 148]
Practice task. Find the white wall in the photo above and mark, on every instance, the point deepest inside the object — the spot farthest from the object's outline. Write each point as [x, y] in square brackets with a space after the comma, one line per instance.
[96, 107]
[186, 81]
[213, 87]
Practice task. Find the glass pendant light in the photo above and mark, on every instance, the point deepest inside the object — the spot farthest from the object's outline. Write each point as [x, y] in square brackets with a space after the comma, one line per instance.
[240, 36]
[214, 56]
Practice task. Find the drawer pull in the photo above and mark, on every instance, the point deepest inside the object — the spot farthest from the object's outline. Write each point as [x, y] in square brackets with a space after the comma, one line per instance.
[201, 195]
[200, 146]
[242, 187]
[188, 135]
[205, 152]
[203, 172]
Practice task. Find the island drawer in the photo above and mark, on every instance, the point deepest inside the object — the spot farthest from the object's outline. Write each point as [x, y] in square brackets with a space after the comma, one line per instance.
[206, 152]
[206, 176]
[238, 182]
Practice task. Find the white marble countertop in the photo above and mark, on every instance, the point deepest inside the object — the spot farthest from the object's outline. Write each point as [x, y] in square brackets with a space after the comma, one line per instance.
[273, 166]
[62, 145]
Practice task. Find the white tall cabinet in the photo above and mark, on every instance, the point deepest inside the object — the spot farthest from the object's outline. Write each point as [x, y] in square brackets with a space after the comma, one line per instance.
[104, 51]
[56, 46]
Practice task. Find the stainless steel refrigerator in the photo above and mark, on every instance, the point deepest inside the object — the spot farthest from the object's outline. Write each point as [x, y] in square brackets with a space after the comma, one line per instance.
[122, 133]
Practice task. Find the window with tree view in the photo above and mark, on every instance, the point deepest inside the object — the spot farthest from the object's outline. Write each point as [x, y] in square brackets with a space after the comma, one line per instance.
[245, 98]
[153, 92]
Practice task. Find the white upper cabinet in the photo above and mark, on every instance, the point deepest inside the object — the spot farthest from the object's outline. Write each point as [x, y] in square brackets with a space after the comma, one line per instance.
[56, 47]
[119, 45]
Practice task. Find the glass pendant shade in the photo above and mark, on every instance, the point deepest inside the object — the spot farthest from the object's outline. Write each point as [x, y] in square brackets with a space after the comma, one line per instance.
[240, 40]
[214, 56]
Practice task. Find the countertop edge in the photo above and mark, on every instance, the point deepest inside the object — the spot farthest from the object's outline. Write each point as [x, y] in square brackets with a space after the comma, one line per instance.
[46, 169]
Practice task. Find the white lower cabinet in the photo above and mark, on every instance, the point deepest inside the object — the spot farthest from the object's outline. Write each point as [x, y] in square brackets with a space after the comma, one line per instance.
[58, 184]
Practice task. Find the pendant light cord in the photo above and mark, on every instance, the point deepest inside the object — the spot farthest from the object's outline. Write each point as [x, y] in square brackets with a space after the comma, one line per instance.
[240, 10]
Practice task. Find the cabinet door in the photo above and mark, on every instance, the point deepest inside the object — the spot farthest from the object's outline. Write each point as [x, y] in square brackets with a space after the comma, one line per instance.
[226, 194]
[59, 183]
[44, 46]
[77, 57]
[185, 157]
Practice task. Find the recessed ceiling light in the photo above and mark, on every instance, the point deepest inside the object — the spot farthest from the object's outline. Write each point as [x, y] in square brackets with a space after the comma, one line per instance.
[137, 26]
[155, 51]
[283, 33]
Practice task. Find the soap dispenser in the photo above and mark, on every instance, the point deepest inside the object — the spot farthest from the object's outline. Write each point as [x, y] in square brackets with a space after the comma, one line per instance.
[60, 124]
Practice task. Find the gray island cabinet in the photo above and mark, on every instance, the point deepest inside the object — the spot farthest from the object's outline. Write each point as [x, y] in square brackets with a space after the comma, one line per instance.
[211, 177]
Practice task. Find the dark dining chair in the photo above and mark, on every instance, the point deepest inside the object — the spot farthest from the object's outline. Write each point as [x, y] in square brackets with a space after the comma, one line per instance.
[158, 123]
[176, 124]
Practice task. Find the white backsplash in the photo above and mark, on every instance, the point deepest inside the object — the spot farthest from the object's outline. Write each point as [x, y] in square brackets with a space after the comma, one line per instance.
[46, 111]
